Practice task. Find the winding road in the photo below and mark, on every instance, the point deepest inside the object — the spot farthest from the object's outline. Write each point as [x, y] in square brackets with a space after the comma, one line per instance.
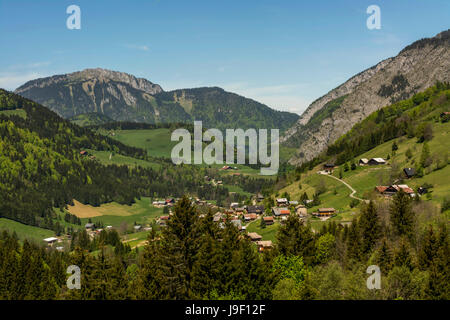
[352, 195]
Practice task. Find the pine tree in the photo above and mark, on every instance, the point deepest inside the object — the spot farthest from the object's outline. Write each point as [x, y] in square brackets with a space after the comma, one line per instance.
[384, 257]
[354, 241]
[402, 256]
[369, 224]
[401, 214]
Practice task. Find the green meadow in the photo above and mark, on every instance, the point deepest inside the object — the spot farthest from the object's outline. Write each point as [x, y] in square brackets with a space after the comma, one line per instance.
[24, 231]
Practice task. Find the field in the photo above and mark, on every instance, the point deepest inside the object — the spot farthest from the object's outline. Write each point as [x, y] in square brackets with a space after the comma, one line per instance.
[268, 233]
[24, 231]
[155, 141]
[118, 159]
[18, 112]
[114, 214]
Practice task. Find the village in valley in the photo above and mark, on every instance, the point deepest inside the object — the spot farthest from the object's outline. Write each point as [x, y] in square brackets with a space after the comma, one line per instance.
[259, 217]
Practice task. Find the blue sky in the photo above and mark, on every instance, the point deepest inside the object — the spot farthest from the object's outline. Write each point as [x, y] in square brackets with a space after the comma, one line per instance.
[282, 53]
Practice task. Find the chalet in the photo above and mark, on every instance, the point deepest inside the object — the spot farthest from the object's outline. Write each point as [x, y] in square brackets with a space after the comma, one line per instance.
[393, 189]
[250, 217]
[239, 210]
[50, 241]
[259, 197]
[137, 228]
[376, 161]
[301, 210]
[409, 172]
[169, 202]
[324, 212]
[363, 162]
[83, 153]
[278, 212]
[255, 209]
[226, 168]
[269, 220]
[282, 202]
[328, 167]
[254, 236]
[264, 245]
[89, 226]
[381, 189]
[234, 205]
[405, 189]
[163, 220]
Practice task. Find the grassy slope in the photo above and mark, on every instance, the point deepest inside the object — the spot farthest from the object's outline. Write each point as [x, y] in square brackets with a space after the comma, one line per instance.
[156, 142]
[268, 233]
[114, 214]
[18, 112]
[24, 231]
[366, 178]
[118, 159]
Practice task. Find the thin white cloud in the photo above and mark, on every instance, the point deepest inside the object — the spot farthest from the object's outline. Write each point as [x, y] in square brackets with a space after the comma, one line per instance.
[285, 97]
[32, 65]
[137, 47]
[11, 81]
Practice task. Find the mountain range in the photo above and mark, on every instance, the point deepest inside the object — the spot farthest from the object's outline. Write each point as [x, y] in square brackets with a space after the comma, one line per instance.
[123, 97]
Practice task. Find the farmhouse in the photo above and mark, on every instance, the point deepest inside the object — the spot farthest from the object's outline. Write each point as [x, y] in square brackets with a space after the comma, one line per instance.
[83, 153]
[239, 210]
[293, 203]
[264, 245]
[50, 241]
[301, 210]
[376, 161]
[255, 209]
[163, 220]
[393, 189]
[409, 172]
[259, 197]
[363, 161]
[268, 220]
[280, 211]
[328, 167]
[324, 212]
[254, 236]
[89, 226]
[282, 202]
[250, 217]
[234, 205]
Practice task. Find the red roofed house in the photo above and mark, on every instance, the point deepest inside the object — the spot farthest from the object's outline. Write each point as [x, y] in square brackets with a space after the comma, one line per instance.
[268, 220]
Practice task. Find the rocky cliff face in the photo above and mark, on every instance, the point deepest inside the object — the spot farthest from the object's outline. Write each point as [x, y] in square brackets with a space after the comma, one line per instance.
[416, 68]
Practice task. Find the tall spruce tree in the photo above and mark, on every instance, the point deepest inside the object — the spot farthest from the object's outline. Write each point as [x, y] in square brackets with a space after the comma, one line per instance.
[369, 224]
[401, 214]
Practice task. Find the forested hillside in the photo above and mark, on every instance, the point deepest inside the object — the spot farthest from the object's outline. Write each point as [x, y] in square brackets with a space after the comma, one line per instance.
[41, 168]
[413, 117]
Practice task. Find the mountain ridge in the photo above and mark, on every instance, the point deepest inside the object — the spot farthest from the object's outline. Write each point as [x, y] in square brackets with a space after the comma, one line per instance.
[123, 97]
[417, 67]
